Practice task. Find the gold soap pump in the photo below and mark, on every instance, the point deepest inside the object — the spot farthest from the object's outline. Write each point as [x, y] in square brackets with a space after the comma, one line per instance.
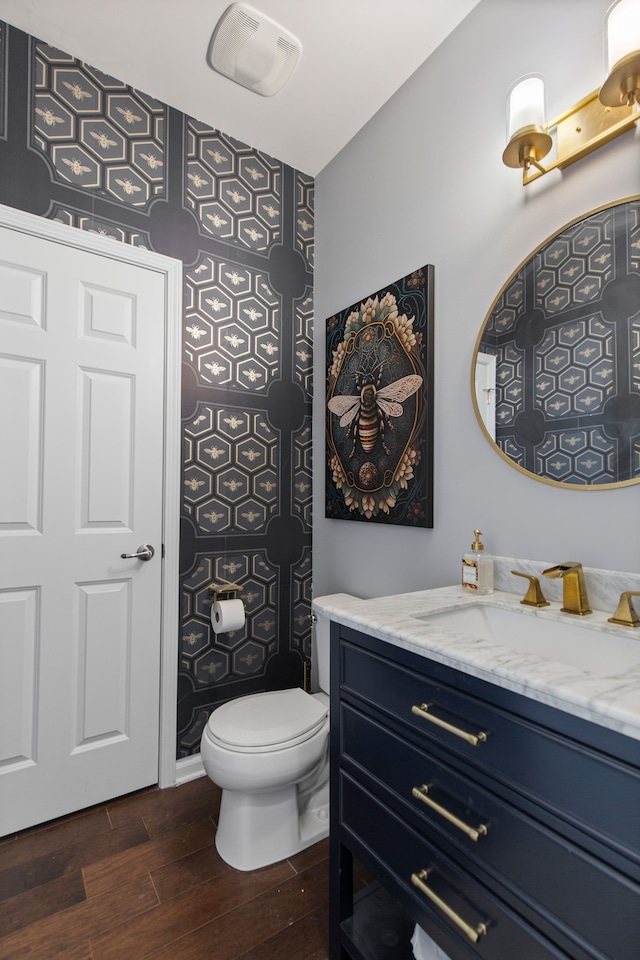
[477, 568]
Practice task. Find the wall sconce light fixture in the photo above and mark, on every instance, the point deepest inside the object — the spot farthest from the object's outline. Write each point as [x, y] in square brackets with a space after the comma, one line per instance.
[595, 120]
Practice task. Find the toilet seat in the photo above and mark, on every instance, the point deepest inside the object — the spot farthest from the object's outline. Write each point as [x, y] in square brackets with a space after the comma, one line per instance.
[263, 722]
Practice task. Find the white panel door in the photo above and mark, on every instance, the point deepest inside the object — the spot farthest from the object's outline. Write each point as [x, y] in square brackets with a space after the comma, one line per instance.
[81, 474]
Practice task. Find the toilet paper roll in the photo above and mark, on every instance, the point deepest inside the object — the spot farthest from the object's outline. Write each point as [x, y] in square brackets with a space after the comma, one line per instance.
[228, 615]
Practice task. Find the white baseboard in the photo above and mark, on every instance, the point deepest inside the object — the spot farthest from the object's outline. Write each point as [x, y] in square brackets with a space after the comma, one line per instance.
[189, 768]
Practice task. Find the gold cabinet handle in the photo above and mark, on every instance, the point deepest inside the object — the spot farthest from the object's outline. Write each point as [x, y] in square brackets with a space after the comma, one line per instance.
[421, 793]
[473, 738]
[474, 933]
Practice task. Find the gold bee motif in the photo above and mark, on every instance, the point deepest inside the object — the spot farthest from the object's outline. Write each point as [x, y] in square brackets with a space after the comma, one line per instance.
[76, 167]
[214, 452]
[193, 484]
[152, 160]
[103, 140]
[216, 220]
[211, 667]
[192, 638]
[49, 117]
[129, 188]
[76, 91]
[215, 304]
[197, 180]
[233, 422]
[196, 332]
[249, 658]
[128, 115]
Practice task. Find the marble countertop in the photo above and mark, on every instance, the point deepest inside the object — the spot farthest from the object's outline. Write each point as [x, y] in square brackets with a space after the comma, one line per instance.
[609, 699]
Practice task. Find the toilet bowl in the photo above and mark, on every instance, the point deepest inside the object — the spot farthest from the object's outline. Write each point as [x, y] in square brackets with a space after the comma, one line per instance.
[269, 754]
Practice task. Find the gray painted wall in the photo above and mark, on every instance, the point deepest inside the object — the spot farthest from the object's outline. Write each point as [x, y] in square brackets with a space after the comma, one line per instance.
[424, 183]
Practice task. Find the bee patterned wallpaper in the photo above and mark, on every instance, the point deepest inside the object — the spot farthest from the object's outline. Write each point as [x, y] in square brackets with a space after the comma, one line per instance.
[82, 147]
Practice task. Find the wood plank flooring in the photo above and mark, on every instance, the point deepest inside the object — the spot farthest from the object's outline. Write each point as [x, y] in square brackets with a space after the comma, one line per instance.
[140, 877]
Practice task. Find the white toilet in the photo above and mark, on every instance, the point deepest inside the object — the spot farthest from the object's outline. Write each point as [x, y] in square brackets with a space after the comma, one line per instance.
[270, 754]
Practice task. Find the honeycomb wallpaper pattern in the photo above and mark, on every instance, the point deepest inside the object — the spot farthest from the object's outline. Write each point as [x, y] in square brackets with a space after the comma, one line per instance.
[84, 148]
[566, 334]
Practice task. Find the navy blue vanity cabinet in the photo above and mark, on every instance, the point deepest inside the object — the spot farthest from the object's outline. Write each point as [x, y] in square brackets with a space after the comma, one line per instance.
[509, 830]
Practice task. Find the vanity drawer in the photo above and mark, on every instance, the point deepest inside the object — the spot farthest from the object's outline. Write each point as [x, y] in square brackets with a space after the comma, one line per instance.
[587, 788]
[469, 913]
[573, 887]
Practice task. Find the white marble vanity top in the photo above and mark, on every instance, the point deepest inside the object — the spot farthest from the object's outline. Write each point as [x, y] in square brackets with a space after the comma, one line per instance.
[611, 700]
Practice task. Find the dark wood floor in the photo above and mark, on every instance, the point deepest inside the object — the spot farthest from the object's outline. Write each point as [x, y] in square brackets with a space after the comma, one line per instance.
[140, 877]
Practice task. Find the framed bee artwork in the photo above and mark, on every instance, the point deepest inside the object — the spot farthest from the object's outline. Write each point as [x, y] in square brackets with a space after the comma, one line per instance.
[379, 412]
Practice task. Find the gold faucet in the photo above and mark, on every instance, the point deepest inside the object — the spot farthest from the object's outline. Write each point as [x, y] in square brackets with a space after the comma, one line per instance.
[534, 596]
[625, 615]
[574, 589]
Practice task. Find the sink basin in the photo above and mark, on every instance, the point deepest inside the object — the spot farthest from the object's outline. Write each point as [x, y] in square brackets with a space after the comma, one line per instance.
[569, 641]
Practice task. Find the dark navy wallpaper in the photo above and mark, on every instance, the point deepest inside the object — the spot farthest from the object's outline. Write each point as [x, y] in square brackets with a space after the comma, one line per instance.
[82, 147]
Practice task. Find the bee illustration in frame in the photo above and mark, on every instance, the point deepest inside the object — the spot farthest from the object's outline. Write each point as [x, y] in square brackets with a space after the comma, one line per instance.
[379, 406]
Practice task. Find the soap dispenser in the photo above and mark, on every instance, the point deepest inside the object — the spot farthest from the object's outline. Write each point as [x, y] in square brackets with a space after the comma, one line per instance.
[477, 567]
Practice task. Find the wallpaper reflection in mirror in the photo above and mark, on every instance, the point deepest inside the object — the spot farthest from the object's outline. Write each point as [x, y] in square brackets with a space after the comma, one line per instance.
[380, 406]
[565, 331]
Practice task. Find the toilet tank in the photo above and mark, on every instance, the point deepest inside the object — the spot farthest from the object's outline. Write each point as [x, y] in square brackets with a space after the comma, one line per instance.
[322, 632]
[322, 628]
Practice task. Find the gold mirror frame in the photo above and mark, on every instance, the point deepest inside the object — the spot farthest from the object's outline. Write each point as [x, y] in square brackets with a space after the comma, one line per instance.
[557, 285]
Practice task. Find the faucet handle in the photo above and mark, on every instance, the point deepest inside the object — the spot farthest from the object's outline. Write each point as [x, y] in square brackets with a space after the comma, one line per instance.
[625, 615]
[534, 596]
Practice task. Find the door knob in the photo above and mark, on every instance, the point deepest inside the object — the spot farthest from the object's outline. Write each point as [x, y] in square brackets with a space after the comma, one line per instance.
[145, 552]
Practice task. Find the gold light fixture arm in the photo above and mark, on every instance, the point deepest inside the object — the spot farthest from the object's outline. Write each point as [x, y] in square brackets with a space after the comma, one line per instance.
[583, 129]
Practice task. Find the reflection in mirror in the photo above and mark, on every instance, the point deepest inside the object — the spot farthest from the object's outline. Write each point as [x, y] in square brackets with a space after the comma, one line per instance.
[485, 385]
[564, 334]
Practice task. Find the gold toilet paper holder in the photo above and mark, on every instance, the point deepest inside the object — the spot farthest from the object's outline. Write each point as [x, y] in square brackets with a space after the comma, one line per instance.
[220, 588]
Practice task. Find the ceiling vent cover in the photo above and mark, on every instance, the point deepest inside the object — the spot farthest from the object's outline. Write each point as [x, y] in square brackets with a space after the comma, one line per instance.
[254, 50]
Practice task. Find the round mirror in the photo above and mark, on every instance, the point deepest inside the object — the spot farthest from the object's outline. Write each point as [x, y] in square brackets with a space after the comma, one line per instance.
[556, 370]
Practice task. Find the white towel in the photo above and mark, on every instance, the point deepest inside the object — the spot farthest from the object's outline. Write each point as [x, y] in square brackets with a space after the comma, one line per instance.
[424, 947]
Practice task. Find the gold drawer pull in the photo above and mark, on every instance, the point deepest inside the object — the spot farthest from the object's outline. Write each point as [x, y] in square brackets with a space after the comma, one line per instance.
[473, 738]
[474, 933]
[420, 793]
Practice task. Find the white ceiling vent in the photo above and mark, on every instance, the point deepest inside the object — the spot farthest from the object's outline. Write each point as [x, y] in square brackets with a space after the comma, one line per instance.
[254, 50]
